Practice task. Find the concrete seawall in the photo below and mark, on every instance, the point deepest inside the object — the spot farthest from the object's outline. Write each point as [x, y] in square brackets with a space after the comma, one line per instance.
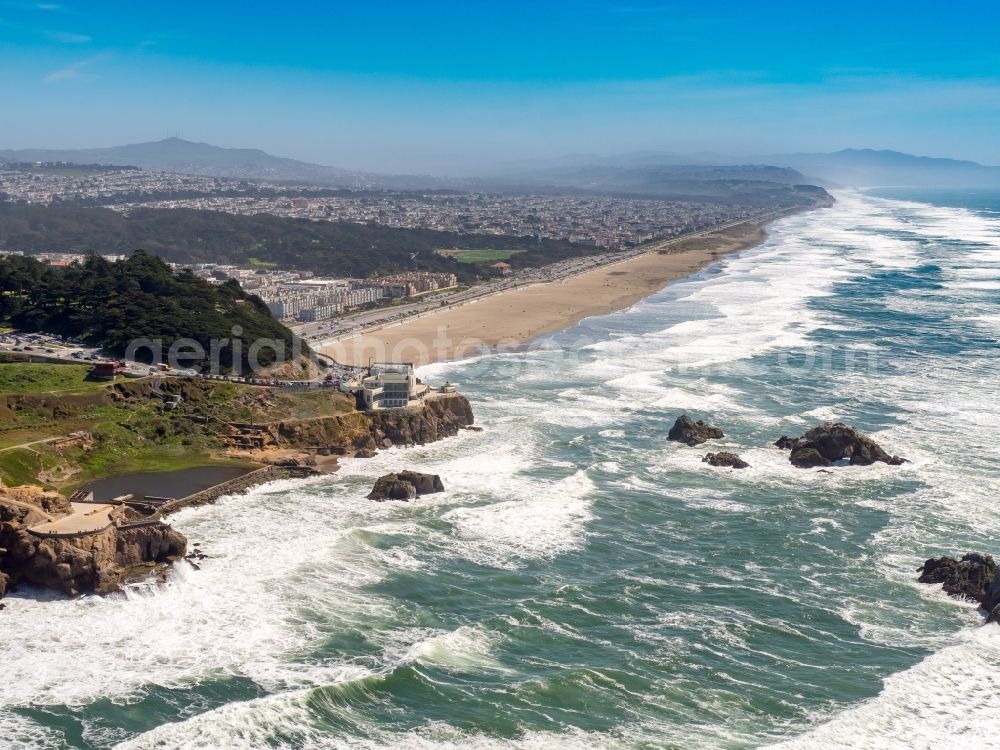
[236, 485]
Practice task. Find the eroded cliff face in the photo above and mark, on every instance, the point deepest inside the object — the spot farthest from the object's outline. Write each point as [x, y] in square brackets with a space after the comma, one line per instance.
[74, 565]
[439, 418]
[435, 419]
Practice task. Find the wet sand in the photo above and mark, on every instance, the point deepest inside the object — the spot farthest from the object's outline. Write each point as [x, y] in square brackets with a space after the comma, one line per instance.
[508, 320]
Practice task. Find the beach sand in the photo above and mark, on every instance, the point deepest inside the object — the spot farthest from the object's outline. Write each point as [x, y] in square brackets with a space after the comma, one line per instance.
[508, 320]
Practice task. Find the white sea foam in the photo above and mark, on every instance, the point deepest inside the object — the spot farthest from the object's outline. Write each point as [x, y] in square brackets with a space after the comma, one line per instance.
[20, 733]
[949, 700]
[543, 522]
[466, 648]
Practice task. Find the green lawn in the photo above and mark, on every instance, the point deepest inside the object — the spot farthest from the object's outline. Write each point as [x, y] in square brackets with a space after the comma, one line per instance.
[258, 263]
[479, 256]
[24, 377]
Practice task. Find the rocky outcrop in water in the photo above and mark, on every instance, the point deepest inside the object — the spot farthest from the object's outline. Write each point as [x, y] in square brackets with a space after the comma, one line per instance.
[725, 459]
[785, 443]
[834, 441]
[97, 562]
[689, 432]
[969, 578]
[405, 485]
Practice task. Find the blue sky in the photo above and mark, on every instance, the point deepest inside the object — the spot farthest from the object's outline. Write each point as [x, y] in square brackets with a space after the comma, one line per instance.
[451, 87]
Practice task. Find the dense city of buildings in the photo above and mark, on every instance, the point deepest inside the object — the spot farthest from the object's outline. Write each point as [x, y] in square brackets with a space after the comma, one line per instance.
[43, 184]
[610, 222]
[601, 221]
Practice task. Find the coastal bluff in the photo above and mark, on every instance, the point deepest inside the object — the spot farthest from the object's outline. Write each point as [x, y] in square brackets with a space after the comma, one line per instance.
[90, 560]
[354, 432]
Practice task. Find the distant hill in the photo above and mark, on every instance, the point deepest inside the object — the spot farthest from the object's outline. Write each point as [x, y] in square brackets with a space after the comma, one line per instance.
[640, 172]
[850, 167]
[178, 155]
[868, 168]
[750, 184]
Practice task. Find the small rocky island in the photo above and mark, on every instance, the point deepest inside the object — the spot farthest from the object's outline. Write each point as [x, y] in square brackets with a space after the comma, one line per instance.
[725, 459]
[405, 485]
[829, 442]
[691, 433]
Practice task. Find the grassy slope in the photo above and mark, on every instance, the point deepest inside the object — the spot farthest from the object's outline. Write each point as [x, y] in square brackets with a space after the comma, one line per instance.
[24, 377]
[479, 256]
[131, 431]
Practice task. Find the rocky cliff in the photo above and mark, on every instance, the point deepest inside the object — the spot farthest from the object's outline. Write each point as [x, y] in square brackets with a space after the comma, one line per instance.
[434, 419]
[74, 565]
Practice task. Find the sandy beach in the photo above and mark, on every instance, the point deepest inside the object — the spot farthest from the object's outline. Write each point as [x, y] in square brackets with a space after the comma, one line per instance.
[508, 320]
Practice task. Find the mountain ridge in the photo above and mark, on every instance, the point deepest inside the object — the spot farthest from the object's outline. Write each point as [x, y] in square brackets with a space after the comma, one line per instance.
[856, 167]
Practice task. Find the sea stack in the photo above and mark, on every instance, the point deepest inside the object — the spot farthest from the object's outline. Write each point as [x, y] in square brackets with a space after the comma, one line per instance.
[725, 459]
[689, 432]
[834, 441]
[405, 485]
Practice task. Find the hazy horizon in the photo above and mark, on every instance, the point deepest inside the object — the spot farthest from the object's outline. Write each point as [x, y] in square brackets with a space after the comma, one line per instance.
[455, 89]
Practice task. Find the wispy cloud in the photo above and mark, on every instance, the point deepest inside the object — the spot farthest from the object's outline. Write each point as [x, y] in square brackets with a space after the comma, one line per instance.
[68, 37]
[48, 7]
[77, 71]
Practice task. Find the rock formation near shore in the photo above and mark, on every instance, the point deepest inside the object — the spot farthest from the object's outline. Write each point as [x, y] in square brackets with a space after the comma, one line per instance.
[405, 485]
[74, 565]
[689, 432]
[834, 441]
[725, 459]
[973, 577]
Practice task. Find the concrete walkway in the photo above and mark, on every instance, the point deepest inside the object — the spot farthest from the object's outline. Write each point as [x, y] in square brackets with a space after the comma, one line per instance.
[86, 518]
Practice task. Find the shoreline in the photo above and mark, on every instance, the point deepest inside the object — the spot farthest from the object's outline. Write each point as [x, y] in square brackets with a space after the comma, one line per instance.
[509, 320]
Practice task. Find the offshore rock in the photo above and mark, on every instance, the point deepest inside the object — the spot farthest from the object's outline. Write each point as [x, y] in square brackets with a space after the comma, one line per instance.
[833, 441]
[97, 562]
[689, 432]
[972, 577]
[405, 485]
[785, 443]
[725, 459]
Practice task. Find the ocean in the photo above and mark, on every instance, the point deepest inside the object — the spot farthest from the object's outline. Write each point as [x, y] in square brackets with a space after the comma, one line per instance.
[583, 583]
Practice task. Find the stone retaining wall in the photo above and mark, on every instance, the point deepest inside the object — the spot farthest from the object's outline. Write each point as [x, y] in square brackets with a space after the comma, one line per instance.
[238, 484]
